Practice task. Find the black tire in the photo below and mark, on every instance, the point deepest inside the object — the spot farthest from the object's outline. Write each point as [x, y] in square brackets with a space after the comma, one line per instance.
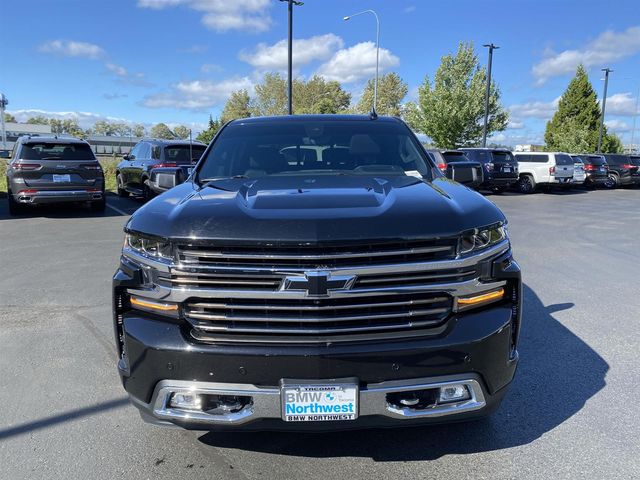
[99, 205]
[526, 184]
[15, 208]
[147, 193]
[613, 181]
[120, 187]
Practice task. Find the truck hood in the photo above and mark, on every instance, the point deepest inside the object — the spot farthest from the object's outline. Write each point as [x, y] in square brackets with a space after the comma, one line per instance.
[316, 209]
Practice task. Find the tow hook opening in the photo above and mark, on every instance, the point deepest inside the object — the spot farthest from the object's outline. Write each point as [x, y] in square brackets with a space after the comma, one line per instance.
[209, 404]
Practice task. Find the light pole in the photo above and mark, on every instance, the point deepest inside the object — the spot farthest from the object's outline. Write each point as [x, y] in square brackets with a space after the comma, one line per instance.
[3, 104]
[633, 128]
[606, 71]
[375, 85]
[290, 4]
[491, 48]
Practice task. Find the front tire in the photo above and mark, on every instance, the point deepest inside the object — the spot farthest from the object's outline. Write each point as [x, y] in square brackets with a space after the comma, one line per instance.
[120, 187]
[526, 184]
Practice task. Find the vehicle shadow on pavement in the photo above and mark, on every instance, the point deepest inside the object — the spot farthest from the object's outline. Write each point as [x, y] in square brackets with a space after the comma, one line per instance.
[558, 373]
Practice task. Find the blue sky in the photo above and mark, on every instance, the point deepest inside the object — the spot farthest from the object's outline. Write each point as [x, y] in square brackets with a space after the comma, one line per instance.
[176, 61]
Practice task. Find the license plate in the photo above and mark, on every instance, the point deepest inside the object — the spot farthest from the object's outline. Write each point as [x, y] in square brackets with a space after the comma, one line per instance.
[506, 169]
[319, 403]
[61, 178]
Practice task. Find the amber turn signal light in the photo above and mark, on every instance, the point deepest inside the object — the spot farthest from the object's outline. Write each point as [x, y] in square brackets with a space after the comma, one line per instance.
[479, 300]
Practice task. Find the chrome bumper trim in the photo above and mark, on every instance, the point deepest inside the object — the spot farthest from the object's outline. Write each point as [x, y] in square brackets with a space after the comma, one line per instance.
[266, 402]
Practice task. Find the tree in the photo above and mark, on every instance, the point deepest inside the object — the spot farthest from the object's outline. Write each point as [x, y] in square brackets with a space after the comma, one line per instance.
[318, 95]
[161, 130]
[9, 118]
[271, 96]
[451, 110]
[38, 120]
[391, 92]
[67, 127]
[207, 135]
[138, 130]
[575, 126]
[237, 106]
[181, 132]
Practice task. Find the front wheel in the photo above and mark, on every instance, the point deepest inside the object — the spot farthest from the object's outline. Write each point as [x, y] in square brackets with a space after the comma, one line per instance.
[120, 186]
[526, 184]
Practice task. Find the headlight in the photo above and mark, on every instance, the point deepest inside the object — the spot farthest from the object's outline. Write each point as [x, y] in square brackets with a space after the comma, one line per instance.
[481, 239]
[150, 247]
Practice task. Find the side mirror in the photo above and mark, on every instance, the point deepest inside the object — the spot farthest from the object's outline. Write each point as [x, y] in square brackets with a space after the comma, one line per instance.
[466, 173]
[5, 154]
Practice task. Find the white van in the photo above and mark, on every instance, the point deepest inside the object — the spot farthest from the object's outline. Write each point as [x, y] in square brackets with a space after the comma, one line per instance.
[543, 168]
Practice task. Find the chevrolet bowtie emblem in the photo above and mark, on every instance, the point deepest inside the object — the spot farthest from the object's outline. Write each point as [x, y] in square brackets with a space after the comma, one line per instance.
[318, 284]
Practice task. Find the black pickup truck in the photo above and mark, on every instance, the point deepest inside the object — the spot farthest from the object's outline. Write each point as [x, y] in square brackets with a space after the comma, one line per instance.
[317, 273]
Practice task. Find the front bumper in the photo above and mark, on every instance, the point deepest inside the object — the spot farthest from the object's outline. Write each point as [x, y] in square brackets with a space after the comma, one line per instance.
[42, 197]
[477, 347]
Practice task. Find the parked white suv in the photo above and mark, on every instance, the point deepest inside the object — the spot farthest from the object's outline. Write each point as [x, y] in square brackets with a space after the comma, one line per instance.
[543, 168]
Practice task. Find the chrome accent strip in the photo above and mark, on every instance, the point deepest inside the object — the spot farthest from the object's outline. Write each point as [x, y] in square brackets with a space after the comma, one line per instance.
[331, 256]
[180, 295]
[266, 401]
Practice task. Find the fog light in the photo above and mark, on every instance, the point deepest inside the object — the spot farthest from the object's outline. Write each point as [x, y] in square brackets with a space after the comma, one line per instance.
[186, 401]
[453, 393]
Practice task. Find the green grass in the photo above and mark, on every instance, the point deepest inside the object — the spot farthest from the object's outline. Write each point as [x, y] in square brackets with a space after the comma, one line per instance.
[108, 165]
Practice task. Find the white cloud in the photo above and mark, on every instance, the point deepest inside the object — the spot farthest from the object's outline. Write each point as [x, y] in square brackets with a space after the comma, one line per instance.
[70, 48]
[536, 109]
[515, 125]
[211, 67]
[608, 47]
[305, 50]
[117, 70]
[223, 15]
[197, 94]
[622, 104]
[357, 62]
[617, 126]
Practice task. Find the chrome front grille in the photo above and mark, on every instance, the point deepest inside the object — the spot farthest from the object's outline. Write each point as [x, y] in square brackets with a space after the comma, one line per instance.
[328, 316]
[317, 256]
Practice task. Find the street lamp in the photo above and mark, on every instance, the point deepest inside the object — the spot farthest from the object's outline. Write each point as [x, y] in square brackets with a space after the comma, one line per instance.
[375, 85]
[290, 4]
[606, 71]
[491, 48]
[3, 104]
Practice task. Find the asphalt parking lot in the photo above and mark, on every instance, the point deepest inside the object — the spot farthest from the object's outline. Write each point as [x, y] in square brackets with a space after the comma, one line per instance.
[573, 411]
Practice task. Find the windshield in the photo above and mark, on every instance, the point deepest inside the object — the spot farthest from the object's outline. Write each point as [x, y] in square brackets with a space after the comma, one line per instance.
[180, 153]
[319, 147]
[56, 151]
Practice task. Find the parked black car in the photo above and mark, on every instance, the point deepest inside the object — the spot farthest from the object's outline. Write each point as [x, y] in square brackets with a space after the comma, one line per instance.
[500, 167]
[45, 170]
[622, 170]
[133, 172]
[595, 169]
[449, 161]
[351, 287]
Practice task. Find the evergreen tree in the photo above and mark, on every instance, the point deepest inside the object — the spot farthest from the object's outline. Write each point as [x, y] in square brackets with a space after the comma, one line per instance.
[207, 135]
[575, 126]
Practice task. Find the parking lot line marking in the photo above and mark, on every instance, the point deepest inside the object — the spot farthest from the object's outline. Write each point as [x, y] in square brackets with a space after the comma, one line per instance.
[121, 212]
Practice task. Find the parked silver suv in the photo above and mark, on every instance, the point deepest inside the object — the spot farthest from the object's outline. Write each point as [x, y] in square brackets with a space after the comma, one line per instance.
[45, 170]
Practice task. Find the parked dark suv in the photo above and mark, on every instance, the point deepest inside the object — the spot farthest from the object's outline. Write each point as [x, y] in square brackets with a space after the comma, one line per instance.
[500, 167]
[44, 170]
[353, 287]
[623, 171]
[595, 169]
[133, 172]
